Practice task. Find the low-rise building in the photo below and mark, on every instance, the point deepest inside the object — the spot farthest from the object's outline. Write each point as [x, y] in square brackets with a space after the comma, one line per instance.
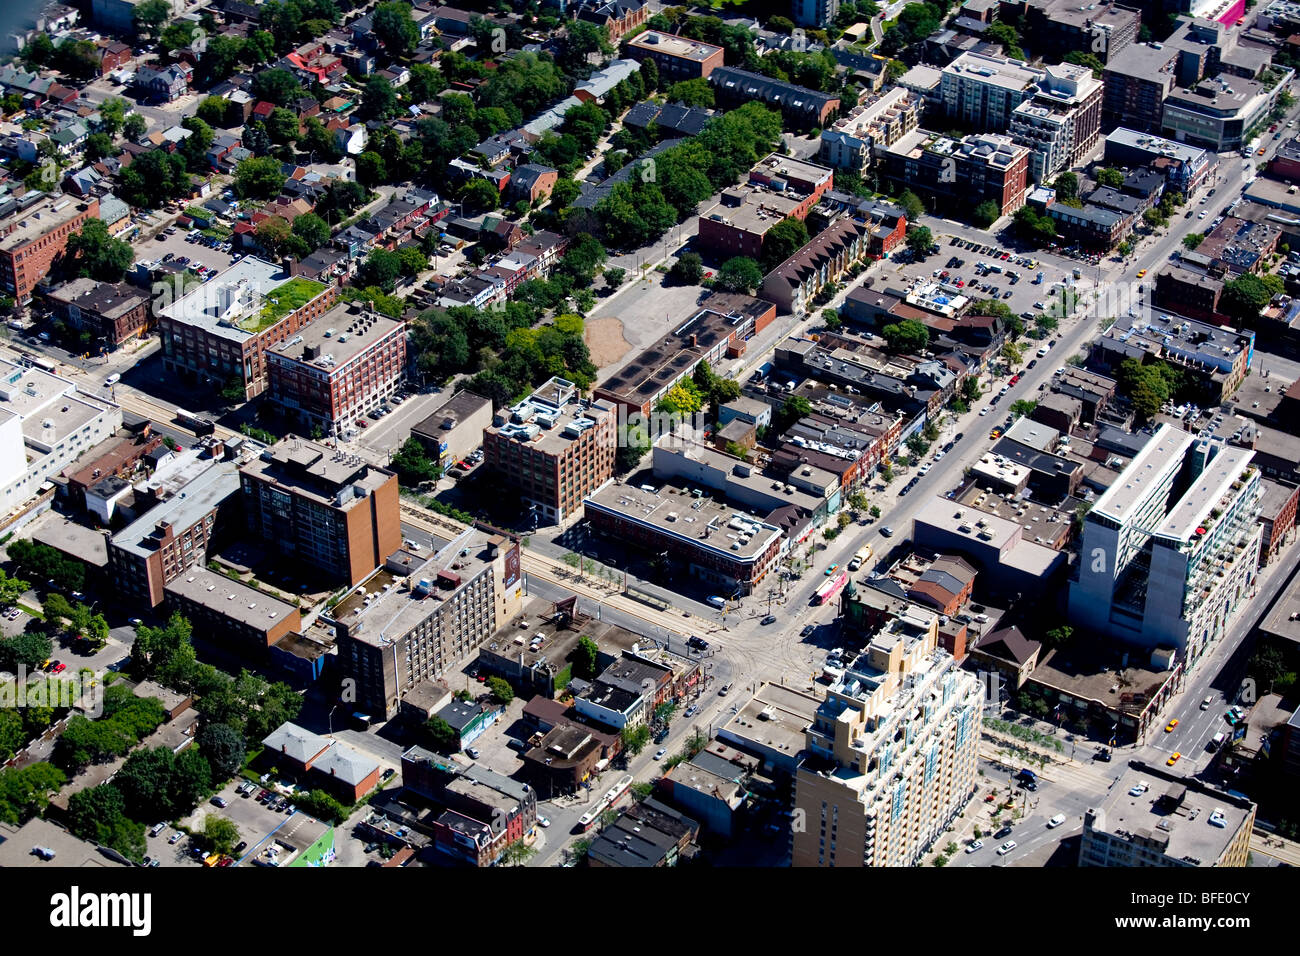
[778, 188]
[322, 761]
[796, 282]
[802, 108]
[111, 312]
[1152, 816]
[229, 614]
[851, 141]
[722, 546]
[960, 174]
[676, 57]
[455, 428]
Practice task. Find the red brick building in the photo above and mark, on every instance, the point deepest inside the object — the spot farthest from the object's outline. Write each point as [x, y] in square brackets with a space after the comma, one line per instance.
[340, 367]
[677, 58]
[112, 312]
[34, 232]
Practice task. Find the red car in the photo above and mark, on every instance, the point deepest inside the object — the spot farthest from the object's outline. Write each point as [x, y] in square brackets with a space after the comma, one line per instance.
[58, 667]
[225, 861]
[363, 423]
[1014, 379]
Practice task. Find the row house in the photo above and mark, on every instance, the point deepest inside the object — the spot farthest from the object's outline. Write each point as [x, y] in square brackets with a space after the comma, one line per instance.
[794, 283]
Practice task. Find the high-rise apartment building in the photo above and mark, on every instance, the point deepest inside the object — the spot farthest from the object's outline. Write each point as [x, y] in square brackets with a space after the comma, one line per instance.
[1061, 122]
[1172, 547]
[983, 91]
[890, 755]
[334, 511]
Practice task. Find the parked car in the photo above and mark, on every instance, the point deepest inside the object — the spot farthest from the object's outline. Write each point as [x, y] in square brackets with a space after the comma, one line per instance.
[472, 753]
[221, 802]
[1006, 848]
[975, 845]
[659, 754]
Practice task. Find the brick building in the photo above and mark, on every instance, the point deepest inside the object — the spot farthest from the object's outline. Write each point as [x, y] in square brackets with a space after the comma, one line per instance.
[111, 312]
[341, 366]
[553, 448]
[34, 230]
[222, 331]
[676, 57]
[322, 507]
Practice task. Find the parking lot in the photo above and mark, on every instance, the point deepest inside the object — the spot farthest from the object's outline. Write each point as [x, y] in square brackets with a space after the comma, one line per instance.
[254, 820]
[199, 255]
[383, 437]
[1023, 295]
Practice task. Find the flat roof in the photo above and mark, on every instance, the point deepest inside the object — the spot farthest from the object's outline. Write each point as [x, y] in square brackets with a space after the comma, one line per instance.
[231, 598]
[239, 292]
[1034, 434]
[1283, 618]
[1014, 75]
[37, 220]
[331, 340]
[700, 523]
[551, 419]
[1163, 453]
[74, 539]
[316, 471]
[1174, 810]
[673, 45]
[200, 496]
[394, 612]
[1209, 488]
[70, 851]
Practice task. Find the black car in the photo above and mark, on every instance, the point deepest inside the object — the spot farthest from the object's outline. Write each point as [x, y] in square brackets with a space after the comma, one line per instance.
[1004, 832]
[770, 619]
[807, 629]
[699, 643]
[241, 846]
[959, 436]
[1103, 755]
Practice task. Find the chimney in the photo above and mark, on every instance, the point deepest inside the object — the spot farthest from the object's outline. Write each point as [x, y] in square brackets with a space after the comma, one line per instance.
[694, 340]
[291, 266]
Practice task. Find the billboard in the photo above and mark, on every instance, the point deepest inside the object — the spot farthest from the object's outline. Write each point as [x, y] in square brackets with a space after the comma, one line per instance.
[512, 566]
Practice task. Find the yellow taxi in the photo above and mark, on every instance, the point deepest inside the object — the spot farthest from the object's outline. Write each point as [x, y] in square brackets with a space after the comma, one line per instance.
[1173, 759]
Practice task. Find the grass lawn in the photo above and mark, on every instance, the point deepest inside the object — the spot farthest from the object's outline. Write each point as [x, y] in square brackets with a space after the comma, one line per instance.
[282, 300]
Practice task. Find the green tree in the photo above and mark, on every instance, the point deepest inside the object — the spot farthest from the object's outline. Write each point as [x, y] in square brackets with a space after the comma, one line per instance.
[282, 126]
[112, 114]
[1114, 178]
[985, 214]
[134, 127]
[276, 86]
[908, 336]
[739, 274]
[393, 25]
[378, 99]
[259, 177]
[911, 205]
[1192, 240]
[223, 748]
[219, 834]
[311, 229]
[441, 735]
[12, 588]
[412, 464]
[371, 169]
[1058, 636]
[212, 110]
[97, 254]
[1245, 298]
[635, 738]
[584, 658]
[1066, 186]
[479, 195]
[697, 93]
[382, 269]
[272, 233]
[149, 17]
[1023, 408]
[1011, 352]
[501, 690]
[782, 241]
[30, 649]
[919, 241]
[688, 269]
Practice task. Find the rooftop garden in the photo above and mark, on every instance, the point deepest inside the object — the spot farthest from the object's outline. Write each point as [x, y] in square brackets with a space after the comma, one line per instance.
[282, 300]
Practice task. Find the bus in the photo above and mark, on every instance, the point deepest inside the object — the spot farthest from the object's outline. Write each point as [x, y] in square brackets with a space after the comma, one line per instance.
[592, 816]
[200, 426]
[827, 591]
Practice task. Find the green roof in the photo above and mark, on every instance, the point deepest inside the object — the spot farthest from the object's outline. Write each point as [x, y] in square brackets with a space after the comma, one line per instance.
[282, 300]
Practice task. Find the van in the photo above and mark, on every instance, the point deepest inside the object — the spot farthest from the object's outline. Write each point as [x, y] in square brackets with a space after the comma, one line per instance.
[157, 828]
[1027, 774]
[718, 602]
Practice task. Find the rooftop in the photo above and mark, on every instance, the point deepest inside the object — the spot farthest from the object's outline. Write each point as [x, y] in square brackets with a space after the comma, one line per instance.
[1205, 493]
[551, 419]
[673, 45]
[1175, 811]
[22, 223]
[697, 522]
[231, 598]
[201, 496]
[241, 301]
[1162, 454]
[317, 472]
[331, 340]
[1013, 75]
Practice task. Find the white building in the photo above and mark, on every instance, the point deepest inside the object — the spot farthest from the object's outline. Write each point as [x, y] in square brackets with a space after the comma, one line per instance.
[1171, 548]
[46, 423]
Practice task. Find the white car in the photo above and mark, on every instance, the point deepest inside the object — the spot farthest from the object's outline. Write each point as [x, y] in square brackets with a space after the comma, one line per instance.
[1201, 216]
[659, 754]
[924, 469]
[1006, 848]
[939, 454]
[542, 821]
[113, 379]
[975, 845]
[984, 411]
[1056, 821]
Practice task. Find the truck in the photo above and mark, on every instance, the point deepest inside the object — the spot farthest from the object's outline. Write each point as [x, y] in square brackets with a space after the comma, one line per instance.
[719, 602]
[1250, 148]
[861, 557]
